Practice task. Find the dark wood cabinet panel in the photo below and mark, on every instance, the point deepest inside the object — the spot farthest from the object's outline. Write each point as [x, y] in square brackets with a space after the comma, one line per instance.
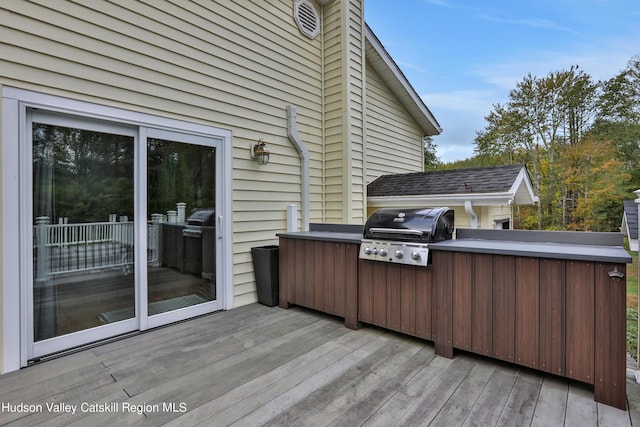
[552, 316]
[321, 275]
[580, 320]
[527, 311]
[443, 303]
[379, 285]
[397, 297]
[504, 306]
[610, 336]
[423, 303]
[408, 302]
[482, 308]
[462, 300]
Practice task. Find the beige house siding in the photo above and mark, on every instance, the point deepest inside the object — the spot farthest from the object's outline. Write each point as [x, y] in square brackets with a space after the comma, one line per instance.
[394, 140]
[498, 213]
[334, 120]
[487, 216]
[218, 64]
[344, 114]
[357, 101]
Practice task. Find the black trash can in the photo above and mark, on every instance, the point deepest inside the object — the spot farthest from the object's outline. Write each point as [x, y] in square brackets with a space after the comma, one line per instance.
[265, 267]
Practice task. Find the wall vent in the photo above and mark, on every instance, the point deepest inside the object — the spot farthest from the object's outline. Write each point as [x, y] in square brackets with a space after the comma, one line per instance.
[307, 18]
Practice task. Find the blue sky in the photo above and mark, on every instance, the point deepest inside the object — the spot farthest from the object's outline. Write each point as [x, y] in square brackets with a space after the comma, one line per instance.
[463, 56]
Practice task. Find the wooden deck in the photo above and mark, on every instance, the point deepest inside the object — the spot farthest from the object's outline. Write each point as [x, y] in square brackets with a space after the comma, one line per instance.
[257, 365]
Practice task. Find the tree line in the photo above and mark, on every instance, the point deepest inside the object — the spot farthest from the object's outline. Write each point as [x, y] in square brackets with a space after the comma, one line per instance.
[84, 176]
[580, 140]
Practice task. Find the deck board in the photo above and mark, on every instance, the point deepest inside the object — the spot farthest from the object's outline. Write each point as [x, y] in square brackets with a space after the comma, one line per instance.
[318, 401]
[259, 365]
[521, 403]
[459, 406]
[582, 410]
[364, 398]
[490, 404]
[239, 401]
[551, 406]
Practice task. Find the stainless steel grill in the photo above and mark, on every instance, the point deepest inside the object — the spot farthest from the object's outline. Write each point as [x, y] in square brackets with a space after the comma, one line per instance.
[199, 219]
[403, 235]
[199, 243]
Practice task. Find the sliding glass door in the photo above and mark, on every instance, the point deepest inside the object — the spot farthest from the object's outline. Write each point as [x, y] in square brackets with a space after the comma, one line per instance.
[123, 229]
[182, 200]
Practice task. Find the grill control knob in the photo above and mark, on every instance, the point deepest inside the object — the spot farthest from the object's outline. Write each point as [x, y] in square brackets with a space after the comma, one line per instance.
[368, 251]
[383, 252]
[375, 251]
[399, 254]
[415, 255]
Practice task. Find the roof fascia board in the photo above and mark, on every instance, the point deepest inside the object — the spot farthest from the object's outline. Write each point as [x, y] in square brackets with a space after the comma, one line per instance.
[477, 199]
[402, 88]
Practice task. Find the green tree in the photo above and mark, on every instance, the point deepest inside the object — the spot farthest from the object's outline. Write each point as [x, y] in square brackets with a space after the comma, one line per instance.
[618, 118]
[431, 159]
[597, 180]
[541, 117]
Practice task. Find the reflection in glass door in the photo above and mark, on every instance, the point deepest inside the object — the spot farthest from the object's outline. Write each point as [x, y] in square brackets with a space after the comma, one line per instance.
[83, 234]
[122, 229]
[181, 209]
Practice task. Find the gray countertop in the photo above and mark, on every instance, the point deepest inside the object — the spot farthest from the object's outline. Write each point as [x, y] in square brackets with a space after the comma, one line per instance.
[613, 254]
[329, 236]
[346, 233]
[597, 247]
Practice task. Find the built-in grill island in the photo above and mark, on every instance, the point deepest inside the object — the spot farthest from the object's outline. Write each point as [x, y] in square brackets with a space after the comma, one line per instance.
[403, 235]
[551, 301]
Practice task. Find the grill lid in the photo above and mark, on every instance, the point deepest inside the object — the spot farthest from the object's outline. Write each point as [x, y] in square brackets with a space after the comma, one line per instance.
[202, 218]
[414, 225]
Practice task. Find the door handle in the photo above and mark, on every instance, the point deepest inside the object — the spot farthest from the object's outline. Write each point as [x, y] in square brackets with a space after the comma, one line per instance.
[220, 227]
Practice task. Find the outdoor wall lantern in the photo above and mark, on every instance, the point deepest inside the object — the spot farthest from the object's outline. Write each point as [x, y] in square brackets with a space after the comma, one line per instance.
[259, 152]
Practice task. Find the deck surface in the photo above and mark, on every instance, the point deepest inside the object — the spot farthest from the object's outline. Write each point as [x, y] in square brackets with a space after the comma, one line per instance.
[258, 365]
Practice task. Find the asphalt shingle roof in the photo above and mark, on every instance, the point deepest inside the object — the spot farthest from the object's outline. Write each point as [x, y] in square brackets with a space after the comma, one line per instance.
[493, 179]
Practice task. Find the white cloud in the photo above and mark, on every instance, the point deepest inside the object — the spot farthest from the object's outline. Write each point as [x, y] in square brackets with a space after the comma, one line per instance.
[467, 101]
[460, 113]
[602, 60]
[441, 3]
[529, 22]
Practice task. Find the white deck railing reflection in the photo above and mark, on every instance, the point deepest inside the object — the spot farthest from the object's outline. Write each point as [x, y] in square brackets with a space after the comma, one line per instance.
[68, 248]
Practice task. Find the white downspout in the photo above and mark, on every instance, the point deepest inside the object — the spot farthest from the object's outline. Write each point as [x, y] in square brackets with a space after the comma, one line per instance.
[468, 208]
[292, 133]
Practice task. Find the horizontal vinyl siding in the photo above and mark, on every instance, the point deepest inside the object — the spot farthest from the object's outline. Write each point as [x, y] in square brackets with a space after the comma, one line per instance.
[230, 64]
[394, 140]
[344, 113]
[334, 113]
[356, 91]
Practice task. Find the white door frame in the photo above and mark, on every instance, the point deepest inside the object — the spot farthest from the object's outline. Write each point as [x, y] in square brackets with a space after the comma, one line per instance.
[59, 343]
[15, 105]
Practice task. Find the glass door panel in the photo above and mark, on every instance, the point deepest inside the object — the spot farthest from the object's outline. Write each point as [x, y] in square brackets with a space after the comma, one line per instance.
[83, 234]
[181, 235]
